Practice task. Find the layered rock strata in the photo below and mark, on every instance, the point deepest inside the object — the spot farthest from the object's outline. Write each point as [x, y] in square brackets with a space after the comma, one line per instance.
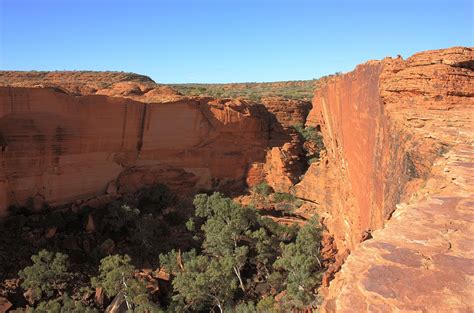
[56, 147]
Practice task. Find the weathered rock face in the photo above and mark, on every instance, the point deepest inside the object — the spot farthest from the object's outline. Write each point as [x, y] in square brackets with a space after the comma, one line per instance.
[385, 124]
[56, 147]
[288, 112]
[284, 165]
[284, 162]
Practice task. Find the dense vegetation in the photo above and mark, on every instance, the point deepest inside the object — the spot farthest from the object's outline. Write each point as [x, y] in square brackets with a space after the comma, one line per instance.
[244, 260]
[299, 90]
[236, 260]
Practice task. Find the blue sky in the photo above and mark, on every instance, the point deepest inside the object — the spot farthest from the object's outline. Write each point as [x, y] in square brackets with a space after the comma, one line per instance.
[227, 40]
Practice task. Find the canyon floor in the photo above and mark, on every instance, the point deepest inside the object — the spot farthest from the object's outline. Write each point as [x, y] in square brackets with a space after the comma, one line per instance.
[382, 155]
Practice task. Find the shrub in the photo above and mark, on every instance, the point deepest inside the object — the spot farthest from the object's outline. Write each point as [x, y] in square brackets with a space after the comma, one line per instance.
[262, 189]
[175, 218]
[119, 217]
[310, 133]
[154, 199]
[267, 305]
[245, 307]
[147, 229]
[312, 160]
[284, 197]
[287, 202]
[48, 273]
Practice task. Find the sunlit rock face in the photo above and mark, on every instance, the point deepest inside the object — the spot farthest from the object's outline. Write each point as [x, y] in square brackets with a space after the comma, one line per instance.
[398, 134]
[57, 147]
[394, 186]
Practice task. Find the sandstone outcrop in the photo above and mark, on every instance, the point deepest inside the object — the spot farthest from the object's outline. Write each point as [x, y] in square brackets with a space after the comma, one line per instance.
[285, 161]
[287, 112]
[79, 83]
[398, 134]
[284, 165]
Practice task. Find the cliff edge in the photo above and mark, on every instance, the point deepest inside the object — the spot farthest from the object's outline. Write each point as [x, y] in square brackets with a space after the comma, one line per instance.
[398, 177]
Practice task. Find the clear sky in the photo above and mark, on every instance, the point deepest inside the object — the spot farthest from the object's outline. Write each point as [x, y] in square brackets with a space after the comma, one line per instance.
[227, 40]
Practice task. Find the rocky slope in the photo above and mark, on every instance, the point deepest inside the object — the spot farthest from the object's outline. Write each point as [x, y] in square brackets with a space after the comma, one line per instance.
[385, 124]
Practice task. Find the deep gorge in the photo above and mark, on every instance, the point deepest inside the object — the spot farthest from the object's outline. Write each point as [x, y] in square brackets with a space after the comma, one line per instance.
[390, 128]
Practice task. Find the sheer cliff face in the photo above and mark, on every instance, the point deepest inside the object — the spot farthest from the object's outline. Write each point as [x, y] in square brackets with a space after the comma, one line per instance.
[376, 153]
[347, 181]
[56, 147]
[398, 164]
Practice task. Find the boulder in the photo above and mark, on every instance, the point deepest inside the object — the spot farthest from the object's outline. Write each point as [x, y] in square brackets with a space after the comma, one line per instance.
[100, 298]
[5, 305]
[118, 305]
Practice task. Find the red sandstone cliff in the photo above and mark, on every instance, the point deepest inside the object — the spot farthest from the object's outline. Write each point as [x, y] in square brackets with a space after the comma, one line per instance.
[59, 147]
[397, 167]
[385, 125]
[65, 135]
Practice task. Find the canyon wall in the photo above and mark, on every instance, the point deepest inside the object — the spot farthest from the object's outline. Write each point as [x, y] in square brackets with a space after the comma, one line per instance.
[398, 171]
[57, 147]
[394, 185]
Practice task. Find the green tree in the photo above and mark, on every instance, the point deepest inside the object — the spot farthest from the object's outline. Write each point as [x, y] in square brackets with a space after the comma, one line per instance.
[226, 225]
[49, 273]
[116, 274]
[204, 282]
[239, 248]
[62, 305]
[300, 261]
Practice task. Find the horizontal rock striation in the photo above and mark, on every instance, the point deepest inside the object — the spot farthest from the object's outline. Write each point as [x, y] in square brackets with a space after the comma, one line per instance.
[56, 147]
[398, 134]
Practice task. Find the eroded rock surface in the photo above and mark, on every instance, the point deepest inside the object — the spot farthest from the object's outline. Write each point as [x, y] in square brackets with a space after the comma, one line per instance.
[399, 134]
[56, 147]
